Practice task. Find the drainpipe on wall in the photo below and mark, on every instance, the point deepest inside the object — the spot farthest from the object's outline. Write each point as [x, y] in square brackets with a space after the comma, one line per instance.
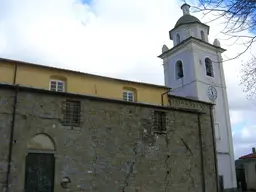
[201, 151]
[215, 149]
[162, 96]
[11, 139]
[15, 73]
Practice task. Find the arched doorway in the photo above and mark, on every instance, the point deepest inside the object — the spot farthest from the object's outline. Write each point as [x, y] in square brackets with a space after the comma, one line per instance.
[40, 164]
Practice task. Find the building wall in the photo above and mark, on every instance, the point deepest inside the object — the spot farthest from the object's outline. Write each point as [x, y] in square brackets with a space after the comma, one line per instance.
[39, 77]
[221, 112]
[250, 174]
[195, 83]
[115, 149]
[6, 106]
[209, 157]
[185, 86]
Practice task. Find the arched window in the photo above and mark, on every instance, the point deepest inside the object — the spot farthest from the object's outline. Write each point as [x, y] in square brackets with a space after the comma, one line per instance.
[178, 38]
[179, 70]
[208, 67]
[202, 36]
[41, 142]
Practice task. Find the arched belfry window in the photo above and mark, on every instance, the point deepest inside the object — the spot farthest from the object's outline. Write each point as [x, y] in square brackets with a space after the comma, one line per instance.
[202, 36]
[178, 38]
[179, 70]
[209, 67]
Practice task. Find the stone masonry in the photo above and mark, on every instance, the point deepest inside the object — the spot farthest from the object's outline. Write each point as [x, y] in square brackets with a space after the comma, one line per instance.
[116, 148]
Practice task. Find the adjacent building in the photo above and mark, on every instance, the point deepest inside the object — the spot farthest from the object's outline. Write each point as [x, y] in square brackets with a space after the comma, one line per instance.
[193, 68]
[246, 171]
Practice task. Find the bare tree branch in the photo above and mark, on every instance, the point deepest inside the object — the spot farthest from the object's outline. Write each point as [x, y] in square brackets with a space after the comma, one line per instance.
[248, 78]
[239, 17]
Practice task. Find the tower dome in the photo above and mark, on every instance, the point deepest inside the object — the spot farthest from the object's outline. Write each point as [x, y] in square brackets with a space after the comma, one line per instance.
[194, 28]
[186, 18]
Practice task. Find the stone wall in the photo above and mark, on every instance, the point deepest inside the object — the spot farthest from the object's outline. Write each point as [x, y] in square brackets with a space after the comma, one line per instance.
[115, 149]
[6, 108]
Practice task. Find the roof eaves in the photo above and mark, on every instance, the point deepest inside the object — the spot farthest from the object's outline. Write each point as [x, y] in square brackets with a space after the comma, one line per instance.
[249, 156]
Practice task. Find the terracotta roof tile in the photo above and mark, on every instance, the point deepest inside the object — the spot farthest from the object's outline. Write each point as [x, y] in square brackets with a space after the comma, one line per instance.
[249, 156]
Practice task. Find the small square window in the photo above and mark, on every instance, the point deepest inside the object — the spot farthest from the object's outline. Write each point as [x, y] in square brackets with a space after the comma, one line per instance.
[159, 121]
[56, 85]
[72, 113]
[128, 96]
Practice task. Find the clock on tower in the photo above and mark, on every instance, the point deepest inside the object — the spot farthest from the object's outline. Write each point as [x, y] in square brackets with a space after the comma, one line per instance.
[212, 93]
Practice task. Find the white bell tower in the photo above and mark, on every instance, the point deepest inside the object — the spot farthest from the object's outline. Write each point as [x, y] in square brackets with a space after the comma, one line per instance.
[193, 68]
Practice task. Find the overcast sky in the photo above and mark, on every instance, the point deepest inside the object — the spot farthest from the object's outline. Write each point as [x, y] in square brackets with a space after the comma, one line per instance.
[116, 38]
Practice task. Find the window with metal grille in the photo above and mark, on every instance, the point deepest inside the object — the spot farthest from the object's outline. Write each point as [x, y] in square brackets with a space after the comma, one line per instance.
[57, 85]
[72, 113]
[159, 121]
[128, 96]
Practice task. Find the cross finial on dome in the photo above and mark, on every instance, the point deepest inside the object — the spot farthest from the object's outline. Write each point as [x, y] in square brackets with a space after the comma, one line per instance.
[185, 8]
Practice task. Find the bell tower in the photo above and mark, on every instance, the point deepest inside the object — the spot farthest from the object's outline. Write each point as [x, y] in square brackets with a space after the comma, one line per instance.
[193, 68]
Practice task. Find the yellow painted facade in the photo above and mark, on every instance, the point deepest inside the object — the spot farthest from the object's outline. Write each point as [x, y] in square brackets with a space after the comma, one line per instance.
[39, 76]
[6, 72]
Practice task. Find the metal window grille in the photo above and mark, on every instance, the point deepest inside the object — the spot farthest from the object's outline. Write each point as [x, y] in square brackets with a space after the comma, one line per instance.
[57, 85]
[128, 96]
[72, 113]
[159, 121]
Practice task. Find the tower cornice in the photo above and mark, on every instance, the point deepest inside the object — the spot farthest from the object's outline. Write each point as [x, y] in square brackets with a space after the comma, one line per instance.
[188, 41]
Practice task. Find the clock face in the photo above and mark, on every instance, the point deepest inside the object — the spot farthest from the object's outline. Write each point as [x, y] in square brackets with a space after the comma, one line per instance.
[212, 93]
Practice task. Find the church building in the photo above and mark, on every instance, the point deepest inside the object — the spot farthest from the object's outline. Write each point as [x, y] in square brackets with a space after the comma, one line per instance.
[193, 68]
[64, 130]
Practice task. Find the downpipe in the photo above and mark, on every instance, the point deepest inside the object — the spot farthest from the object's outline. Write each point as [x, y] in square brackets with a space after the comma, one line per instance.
[201, 152]
[8, 174]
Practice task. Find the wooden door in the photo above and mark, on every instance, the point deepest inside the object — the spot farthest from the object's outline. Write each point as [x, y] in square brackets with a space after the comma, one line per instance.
[39, 174]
